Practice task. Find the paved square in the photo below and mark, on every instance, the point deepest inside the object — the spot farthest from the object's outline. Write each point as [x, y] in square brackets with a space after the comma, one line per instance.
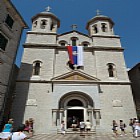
[98, 136]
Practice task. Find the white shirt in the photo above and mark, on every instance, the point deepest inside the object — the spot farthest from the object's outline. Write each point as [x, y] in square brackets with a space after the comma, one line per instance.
[88, 125]
[18, 136]
[82, 125]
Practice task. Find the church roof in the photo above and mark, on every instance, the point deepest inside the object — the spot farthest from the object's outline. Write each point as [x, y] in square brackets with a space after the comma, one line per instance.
[75, 75]
[72, 32]
[99, 17]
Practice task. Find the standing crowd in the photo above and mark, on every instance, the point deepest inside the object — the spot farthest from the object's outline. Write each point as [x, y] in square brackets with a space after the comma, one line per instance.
[84, 126]
[23, 131]
[134, 124]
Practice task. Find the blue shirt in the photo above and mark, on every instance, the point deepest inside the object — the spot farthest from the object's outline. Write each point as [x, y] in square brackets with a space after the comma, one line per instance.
[7, 128]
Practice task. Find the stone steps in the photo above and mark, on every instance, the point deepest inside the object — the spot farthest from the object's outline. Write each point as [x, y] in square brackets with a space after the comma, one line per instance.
[76, 131]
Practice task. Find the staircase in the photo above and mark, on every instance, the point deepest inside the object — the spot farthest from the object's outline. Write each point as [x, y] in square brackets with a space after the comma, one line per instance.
[76, 131]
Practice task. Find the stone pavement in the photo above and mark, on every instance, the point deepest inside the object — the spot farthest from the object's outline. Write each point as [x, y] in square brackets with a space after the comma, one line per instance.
[97, 136]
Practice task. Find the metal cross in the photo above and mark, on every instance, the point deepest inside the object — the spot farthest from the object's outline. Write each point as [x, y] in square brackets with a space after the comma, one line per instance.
[48, 9]
[74, 26]
[98, 12]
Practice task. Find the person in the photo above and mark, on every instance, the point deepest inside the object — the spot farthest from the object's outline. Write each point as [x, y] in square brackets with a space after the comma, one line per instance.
[122, 127]
[6, 133]
[88, 126]
[136, 128]
[31, 122]
[131, 124]
[19, 135]
[82, 126]
[26, 129]
[115, 127]
[62, 127]
[74, 123]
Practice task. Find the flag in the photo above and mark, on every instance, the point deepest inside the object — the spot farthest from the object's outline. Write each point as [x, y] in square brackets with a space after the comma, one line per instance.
[75, 55]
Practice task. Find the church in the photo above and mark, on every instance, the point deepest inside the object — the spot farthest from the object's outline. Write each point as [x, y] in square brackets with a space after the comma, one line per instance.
[53, 85]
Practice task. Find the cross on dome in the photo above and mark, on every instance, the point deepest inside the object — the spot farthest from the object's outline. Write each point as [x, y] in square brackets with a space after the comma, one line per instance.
[48, 9]
[98, 12]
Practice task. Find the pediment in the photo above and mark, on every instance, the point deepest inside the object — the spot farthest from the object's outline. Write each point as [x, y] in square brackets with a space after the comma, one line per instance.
[73, 33]
[75, 75]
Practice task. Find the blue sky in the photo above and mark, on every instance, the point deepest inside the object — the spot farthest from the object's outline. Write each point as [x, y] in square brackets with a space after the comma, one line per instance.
[125, 14]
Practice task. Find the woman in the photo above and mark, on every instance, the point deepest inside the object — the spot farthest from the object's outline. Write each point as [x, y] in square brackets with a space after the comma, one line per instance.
[19, 135]
[115, 127]
[6, 133]
[63, 128]
[31, 122]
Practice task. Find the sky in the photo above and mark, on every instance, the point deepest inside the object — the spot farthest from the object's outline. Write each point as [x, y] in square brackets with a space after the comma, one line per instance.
[124, 13]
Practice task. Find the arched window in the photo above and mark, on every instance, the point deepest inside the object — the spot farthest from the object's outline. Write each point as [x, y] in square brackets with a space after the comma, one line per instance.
[85, 44]
[95, 29]
[75, 102]
[52, 26]
[104, 28]
[35, 24]
[74, 41]
[63, 43]
[36, 67]
[111, 69]
[43, 24]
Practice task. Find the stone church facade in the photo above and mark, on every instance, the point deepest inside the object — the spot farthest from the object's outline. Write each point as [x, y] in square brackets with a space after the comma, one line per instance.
[50, 90]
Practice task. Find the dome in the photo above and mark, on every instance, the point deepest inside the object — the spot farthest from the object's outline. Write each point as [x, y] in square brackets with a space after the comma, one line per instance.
[99, 18]
[46, 14]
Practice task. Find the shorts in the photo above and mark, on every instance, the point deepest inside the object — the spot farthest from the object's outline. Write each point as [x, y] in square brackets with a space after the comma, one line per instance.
[122, 129]
[82, 129]
[88, 129]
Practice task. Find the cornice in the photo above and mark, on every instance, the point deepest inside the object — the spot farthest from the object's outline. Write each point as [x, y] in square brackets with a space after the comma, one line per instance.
[77, 82]
[56, 46]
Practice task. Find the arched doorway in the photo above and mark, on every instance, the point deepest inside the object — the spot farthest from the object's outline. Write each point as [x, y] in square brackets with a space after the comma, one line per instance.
[75, 106]
[75, 112]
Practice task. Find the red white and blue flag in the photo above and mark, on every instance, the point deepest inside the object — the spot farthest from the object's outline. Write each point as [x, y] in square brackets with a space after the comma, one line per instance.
[75, 55]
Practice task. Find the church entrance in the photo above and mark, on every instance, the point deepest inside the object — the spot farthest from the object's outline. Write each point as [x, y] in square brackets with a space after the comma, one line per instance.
[74, 116]
[75, 107]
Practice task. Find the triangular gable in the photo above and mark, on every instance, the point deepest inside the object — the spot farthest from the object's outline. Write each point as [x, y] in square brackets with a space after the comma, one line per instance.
[72, 32]
[75, 75]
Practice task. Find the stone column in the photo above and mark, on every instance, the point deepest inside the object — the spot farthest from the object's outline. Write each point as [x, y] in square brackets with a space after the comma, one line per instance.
[90, 115]
[91, 118]
[97, 116]
[61, 114]
[54, 117]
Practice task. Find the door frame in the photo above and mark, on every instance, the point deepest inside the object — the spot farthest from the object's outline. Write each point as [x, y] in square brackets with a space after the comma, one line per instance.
[75, 108]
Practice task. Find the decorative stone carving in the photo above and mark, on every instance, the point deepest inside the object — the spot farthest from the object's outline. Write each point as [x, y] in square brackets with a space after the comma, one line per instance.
[31, 102]
[117, 103]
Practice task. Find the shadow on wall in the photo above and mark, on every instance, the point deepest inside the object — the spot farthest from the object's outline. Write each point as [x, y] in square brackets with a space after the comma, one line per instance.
[21, 94]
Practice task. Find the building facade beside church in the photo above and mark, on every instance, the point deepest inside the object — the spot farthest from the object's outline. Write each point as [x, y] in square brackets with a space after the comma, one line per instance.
[50, 89]
[11, 27]
[134, 74]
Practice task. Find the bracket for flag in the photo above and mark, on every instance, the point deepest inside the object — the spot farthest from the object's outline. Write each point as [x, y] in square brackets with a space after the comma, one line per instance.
[75, 67]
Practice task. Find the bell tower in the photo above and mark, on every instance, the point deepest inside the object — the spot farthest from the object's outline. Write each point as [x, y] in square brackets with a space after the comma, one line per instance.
[44, 28]
[101, 31]
[100, 25]
[45, 22]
